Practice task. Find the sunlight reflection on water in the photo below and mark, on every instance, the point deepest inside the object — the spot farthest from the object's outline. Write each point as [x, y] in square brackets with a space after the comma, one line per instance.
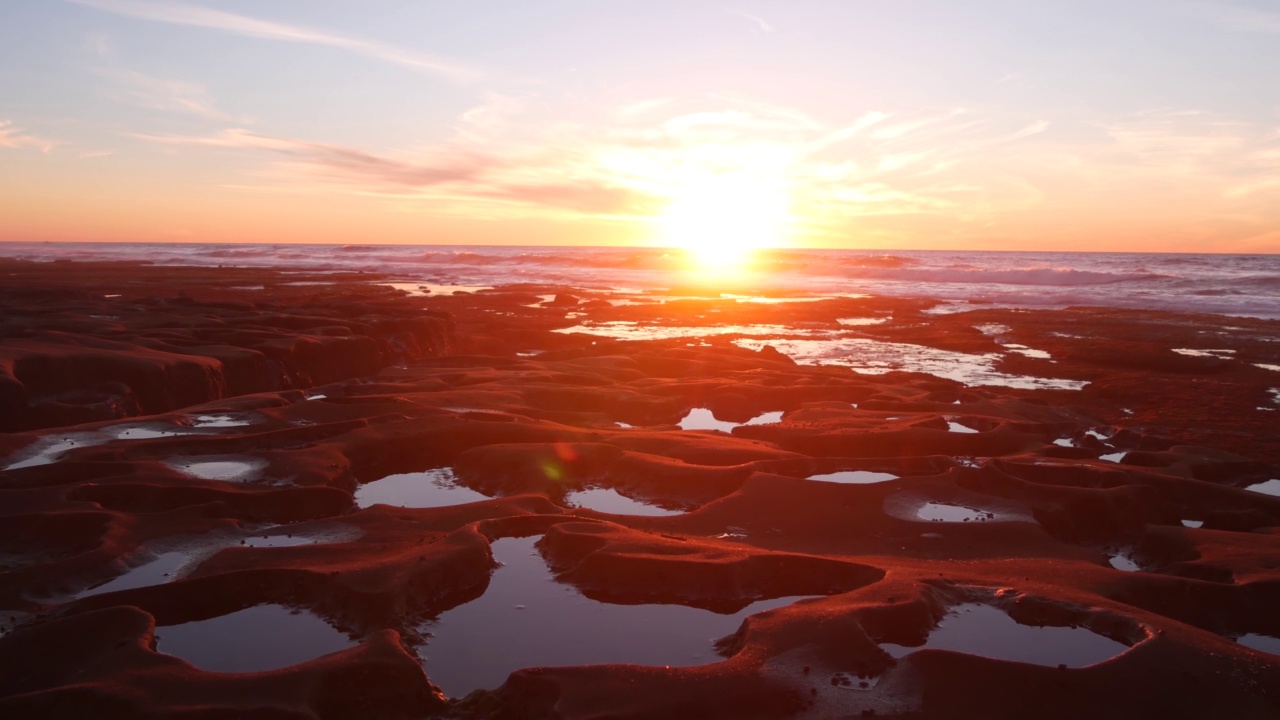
[875, 357]
[627, 330]
[704, 419]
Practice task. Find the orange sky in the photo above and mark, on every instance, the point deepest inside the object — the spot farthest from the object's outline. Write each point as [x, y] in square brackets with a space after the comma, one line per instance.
[798, 124]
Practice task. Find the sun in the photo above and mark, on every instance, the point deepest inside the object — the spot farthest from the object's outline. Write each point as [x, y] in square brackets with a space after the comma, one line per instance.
[720, 218]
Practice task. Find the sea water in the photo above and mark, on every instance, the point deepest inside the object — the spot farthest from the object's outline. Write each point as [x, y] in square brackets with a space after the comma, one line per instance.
[1240, 285]
[1246, 285]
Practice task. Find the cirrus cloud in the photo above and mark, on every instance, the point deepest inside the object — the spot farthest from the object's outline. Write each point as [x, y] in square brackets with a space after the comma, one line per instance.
[208, 18]
[14, 137]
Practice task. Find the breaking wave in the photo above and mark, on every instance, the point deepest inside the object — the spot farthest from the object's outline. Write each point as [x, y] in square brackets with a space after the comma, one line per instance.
[1223, 284]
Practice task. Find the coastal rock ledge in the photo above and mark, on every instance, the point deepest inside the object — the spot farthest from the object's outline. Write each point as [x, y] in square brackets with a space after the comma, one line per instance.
[64, 362]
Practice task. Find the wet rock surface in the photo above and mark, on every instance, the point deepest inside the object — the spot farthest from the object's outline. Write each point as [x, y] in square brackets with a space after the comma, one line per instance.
[118, 344]
[1017, 517]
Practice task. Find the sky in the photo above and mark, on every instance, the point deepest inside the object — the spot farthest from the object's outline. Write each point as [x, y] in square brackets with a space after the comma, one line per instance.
[1135, 125]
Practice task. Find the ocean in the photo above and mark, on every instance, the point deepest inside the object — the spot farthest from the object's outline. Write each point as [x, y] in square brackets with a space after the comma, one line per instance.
[1234, 285]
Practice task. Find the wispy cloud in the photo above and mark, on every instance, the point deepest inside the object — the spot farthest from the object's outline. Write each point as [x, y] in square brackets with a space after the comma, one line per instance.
[461, 175]
[168, 95]
[163, 94]
[882, 174]
[14, 137]
[1236, 158]
[197, 16]
[651, 151]
[341, 162]
[759, 23]
[1196, 141]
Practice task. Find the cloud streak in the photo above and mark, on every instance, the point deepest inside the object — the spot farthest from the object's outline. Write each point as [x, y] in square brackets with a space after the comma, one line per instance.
[881, 175]
[879, 164]
[13, 137]
[340, 162]
[461, 175]
[196, 16]
[163, 94]
[1236, 158]
[760, 24]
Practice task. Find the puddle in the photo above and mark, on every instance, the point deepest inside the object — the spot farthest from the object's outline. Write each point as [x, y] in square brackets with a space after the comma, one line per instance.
[220, 421]
[1096, 435]
[854, 477]
[527, 619]
[775, 300]
[1270, 487]
[611, 501]
[1193, 523]
[287, 539]
[862, 321]
[875, 357]
[703, 419]
[995, 331]
[1264, 366]
[987, 631]
[955, 427]
[12, 620]
[145, 432]
[160, 569]
[1113, 457]
[424, 289]
[628, 330]
[49, 450]
[428, 489]
[944, 512]
[236, 470]
[624, 425]
[1028, 352]
[265, 637]
[1123, 561]
[1260, 642]
[1064, 442]
[1193, 352]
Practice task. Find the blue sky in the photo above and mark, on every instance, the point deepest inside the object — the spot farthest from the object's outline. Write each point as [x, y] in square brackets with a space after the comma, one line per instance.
[997, 124]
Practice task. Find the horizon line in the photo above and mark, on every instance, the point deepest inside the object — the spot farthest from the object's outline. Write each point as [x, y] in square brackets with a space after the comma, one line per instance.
[625, 247]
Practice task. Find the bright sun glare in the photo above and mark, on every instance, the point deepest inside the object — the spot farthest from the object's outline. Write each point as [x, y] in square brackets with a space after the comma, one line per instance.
[721, 218]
